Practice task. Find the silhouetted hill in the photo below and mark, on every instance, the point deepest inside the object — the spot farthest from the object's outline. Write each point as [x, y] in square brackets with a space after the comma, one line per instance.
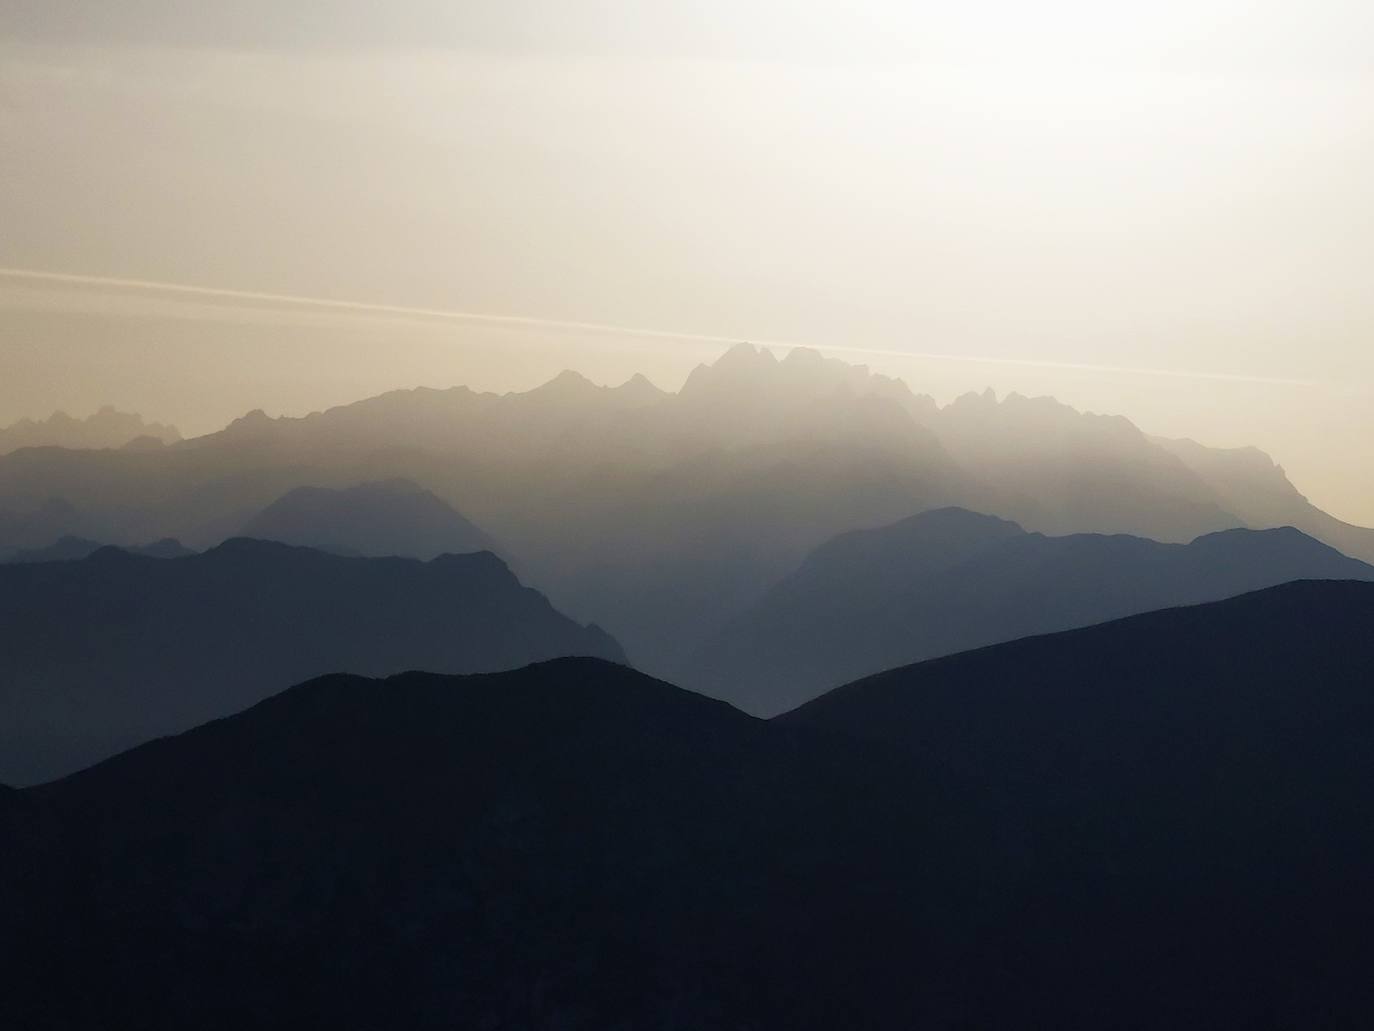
[949, 580]
[568, 845]
[1153, 823]
[394, 517]
[69, 549]
[100, 654]
[1182, 796]
[107, 428]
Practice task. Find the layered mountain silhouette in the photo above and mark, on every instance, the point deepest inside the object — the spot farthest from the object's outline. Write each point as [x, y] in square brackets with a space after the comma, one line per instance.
[568, 845]
[1248, 481]
[394, 517]
[1156, 822]
[107, 428]
[100, 654]
[69, 549]
[664, 515]
[949, 580]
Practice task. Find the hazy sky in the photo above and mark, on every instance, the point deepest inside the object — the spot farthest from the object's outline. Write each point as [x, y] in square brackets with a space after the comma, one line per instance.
[1158, 209]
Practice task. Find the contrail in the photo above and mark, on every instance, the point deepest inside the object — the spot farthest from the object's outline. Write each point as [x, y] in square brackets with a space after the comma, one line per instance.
[530, 322]
[365, 307]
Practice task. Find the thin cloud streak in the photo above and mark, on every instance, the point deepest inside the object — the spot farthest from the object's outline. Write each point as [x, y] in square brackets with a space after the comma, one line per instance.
[531, 322]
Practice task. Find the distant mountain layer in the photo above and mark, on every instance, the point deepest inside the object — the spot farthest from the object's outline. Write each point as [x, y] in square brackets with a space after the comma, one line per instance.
[70, 549]
[664, 515]
[1153, 823]
[107, 428]
[100, 654]
[394, 517]
[950, 580]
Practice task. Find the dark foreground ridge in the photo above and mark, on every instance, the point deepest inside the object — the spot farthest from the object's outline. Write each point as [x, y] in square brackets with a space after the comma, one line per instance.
[100, 654]
[568, 845]
[1154, 823]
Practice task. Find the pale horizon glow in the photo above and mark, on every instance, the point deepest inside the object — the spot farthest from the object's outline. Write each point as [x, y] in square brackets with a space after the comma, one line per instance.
[1154, 210]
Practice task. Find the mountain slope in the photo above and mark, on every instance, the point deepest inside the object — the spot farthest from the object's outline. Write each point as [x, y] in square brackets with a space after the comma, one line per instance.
[1291, 644]
[1250, 483]
[568, 845]
[948, 580]
[1153, 823]
[1061, 471]
[99, 654]
[395, 517]
[1183, 796]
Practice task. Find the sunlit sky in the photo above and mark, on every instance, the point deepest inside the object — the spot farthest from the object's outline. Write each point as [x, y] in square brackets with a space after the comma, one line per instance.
[1157, 209]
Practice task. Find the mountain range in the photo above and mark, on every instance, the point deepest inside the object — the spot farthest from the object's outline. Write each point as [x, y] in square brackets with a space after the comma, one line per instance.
[100, 654]
[663, 516]
[950, 580]
[107, 428]
[1154, 822]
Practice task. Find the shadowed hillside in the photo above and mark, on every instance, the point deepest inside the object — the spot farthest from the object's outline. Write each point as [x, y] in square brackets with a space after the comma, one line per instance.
[569, 845]
[100, 654]
[1152, 823]
[950, 580]
[1181, 794]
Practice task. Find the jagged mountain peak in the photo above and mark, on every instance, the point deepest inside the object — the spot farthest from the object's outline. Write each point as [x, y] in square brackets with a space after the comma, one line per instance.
[803, 356]
[745, 354]
[108, 427]
[638, 391]
[639, 381]
[568, 383]
[254, 425]
[804, 374]
[973, 400]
